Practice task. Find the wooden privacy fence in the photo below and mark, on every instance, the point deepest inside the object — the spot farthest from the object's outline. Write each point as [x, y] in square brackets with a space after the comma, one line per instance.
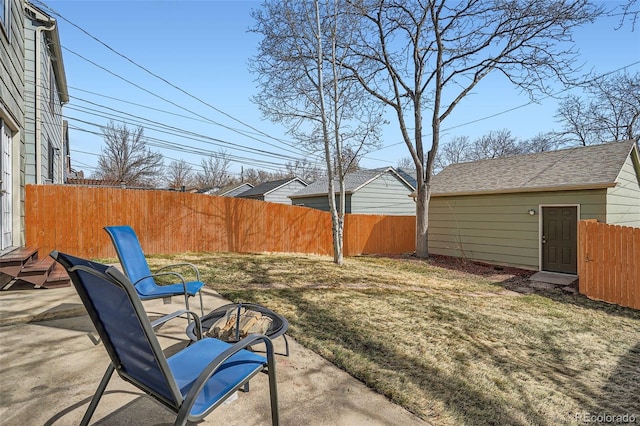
[609, 263]
[70, 219]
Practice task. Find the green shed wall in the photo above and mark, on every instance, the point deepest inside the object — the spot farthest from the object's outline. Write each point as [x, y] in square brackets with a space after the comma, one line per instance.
[623, 201]
[385, 195]
[497, 228]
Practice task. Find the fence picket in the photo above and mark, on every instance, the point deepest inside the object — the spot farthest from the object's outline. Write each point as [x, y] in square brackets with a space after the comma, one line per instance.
[608, 266]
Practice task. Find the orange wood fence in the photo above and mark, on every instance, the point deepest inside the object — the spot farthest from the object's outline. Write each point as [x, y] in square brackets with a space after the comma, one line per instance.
[609, 263]
[70, 219]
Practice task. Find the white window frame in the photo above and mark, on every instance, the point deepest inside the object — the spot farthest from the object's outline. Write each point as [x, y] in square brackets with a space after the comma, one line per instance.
[5, 20]
[6, 206]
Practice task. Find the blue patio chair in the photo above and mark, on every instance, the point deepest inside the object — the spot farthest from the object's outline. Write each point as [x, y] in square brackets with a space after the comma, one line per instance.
[192, 382]
[137, 270]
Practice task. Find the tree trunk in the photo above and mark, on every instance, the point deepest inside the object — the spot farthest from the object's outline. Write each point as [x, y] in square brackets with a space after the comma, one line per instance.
[422, 221]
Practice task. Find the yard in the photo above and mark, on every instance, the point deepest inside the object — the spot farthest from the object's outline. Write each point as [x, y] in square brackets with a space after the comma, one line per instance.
[453, 342]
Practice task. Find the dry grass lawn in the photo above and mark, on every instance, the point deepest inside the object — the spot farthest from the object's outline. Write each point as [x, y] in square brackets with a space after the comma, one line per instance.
[450, 341]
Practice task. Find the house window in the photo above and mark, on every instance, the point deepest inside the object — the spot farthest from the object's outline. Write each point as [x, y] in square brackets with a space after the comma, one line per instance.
[52, 86]
[5, 17]
[5, 187]
[50, 163]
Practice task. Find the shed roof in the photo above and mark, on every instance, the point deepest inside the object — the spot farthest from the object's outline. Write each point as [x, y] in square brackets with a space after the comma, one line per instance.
[268, 187]
[352, 182]
[233, 187]
[588, 167]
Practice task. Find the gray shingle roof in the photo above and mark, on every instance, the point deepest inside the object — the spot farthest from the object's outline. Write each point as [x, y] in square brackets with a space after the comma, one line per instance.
[352, 182]
[225, 190]
[267, 187]
[582, 167]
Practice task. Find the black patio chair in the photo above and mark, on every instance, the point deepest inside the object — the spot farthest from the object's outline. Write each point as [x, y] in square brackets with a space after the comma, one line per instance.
[192, 382]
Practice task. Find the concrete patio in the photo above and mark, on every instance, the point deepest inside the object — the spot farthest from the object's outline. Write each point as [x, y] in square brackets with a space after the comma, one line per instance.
[50, 368]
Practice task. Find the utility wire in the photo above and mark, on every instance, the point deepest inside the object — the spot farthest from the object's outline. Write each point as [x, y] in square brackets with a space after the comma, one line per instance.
[162, 78]
[488, 117]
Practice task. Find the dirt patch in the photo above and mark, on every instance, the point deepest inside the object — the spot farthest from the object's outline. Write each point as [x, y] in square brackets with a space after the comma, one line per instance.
[514, 280]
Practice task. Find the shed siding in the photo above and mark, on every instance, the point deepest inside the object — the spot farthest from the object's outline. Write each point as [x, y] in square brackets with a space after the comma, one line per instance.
[623, 201]
[385, 195]
[497, 228]
[281, 195]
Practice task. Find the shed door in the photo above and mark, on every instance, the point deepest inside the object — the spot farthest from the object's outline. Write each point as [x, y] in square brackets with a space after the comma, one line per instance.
[560, 239]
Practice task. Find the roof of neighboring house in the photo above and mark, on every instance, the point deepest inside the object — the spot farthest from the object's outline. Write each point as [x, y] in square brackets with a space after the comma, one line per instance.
[229, 188]
[587, 167]
[352, 182]
[92, 182]
[267, 187]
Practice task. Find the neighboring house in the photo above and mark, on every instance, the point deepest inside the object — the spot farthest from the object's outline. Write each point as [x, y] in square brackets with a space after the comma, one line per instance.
[207, 191]
[276, 191]
[92, 182]
[32, 91]
[380, 191]
[45, 94]
[233, 190]
[523, 211]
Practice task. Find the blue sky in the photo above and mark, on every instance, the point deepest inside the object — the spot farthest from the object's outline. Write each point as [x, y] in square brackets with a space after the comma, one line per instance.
[202, 48]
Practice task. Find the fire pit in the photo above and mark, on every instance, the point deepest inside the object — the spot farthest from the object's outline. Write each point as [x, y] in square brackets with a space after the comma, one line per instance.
[277, 327]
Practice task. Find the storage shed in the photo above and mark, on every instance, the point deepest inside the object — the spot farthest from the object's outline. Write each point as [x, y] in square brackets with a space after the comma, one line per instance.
[378, 191]
[275, 191]
[523, 211]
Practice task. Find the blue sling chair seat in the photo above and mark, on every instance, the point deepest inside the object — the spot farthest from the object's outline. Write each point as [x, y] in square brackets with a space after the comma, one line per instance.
[192, 382]
[137, 270]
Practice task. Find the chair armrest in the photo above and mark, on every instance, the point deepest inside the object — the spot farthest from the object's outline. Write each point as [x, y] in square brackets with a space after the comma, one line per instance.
[161, 274]
[213, 366]
[191, 265]
[176, 314]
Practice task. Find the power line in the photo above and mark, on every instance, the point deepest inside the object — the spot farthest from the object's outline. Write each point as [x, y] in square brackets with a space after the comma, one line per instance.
[488, 117]
[162, 78]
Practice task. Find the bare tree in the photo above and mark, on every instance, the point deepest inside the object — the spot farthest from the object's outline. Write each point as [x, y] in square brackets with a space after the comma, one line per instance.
[179, 174]
[305, 170]
[610, 111]
[256, 176]
[453, 152]
[302, 86]
[542, 142]
[630, 11]
[125, 158]
[215, 171]
[495, 144]
[405, 163]
[429, 55]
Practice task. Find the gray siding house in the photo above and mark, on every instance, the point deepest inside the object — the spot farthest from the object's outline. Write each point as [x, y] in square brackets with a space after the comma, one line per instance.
[380, 191]
[233, 190]
[523, 211]
[45, 94]
[12, 148]
[276, 191]
[33, 89]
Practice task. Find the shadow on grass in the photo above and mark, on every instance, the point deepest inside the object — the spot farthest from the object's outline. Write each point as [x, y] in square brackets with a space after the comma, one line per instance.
[334, 334]
[468, 405]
